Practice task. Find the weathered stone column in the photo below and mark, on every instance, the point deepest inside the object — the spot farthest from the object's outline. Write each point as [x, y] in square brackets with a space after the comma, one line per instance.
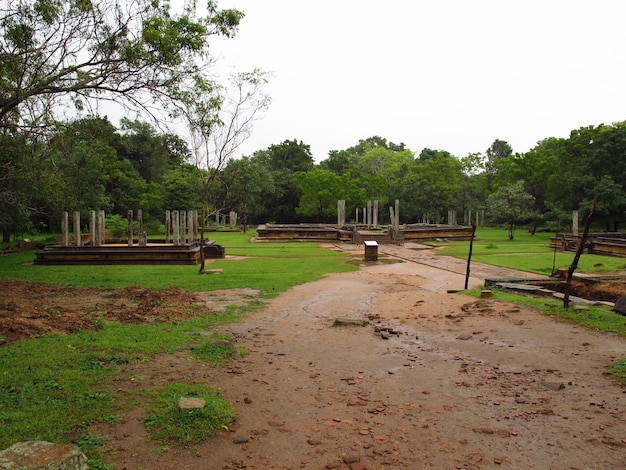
[92, 228]
[341, 213]
[176, 228]
[397, 213]
[168, 226]
[183, 227]
[65, 227]
[369, 214]
[77, 240]
[141, 240]
[196, 228]
[575, 222]
[190, 236]
[232, 219]
[392, 217]
[375, 214]
[129, 227]
[101, 235]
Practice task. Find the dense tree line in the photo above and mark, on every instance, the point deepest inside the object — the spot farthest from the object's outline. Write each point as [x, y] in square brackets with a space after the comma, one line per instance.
[90, 164]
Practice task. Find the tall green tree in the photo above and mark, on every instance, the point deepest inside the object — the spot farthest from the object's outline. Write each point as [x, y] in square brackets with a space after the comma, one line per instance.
[247, 182]
[496, 154]
[318, 191]
[511, 205]
[283, 160]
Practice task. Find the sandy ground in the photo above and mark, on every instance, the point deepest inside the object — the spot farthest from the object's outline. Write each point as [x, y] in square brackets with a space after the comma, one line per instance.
[434, 380]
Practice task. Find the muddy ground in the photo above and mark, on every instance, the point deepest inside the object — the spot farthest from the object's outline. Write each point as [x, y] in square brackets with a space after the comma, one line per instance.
[433, 380]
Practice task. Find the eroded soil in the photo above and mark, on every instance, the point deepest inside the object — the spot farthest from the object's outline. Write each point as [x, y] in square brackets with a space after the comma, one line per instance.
[434, 380]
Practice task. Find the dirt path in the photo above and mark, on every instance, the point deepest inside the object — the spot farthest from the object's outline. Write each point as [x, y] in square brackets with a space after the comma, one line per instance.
[459, 383]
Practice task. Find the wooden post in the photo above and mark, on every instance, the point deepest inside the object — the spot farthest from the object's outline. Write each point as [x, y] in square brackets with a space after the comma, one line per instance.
[65, 239]
[579, 251]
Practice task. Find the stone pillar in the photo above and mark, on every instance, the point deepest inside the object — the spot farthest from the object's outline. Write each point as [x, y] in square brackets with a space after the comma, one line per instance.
[168, 226]
[392, 217]
[176, 228]
[101, 235]
[190, 236]
[92, 228]
[183, 227]
[129, 227]
[196, 227]
[232, 219]
[397, 214]
[65, 239]
[341, 213]
[141, 240]
[369, 214]
[217, 217]
[575, 222]
[77, 240]
[356, 211]
[375, 214]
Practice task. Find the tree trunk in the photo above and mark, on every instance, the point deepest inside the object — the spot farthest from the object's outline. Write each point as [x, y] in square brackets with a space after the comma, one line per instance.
[6, 236]
[579, 251]
[202, 259]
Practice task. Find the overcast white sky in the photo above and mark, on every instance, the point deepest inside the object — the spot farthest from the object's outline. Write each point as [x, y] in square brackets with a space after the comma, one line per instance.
[452, 75]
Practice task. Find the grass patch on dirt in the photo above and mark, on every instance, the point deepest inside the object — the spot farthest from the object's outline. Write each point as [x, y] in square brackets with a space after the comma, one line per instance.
[269, 267]
[167, 423]
[55, 387]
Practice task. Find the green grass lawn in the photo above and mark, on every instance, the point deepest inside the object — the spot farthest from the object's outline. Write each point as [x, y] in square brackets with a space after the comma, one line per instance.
[526, 252]
[270, 267]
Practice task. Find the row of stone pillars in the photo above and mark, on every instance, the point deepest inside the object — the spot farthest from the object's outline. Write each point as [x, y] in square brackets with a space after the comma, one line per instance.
[96, 236]
[183, 226]
[370, 214]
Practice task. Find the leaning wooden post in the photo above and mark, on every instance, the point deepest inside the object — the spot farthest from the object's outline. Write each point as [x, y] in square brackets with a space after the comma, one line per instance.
[77, 240]
[65, 239]
[579, 251]
[129, 227]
